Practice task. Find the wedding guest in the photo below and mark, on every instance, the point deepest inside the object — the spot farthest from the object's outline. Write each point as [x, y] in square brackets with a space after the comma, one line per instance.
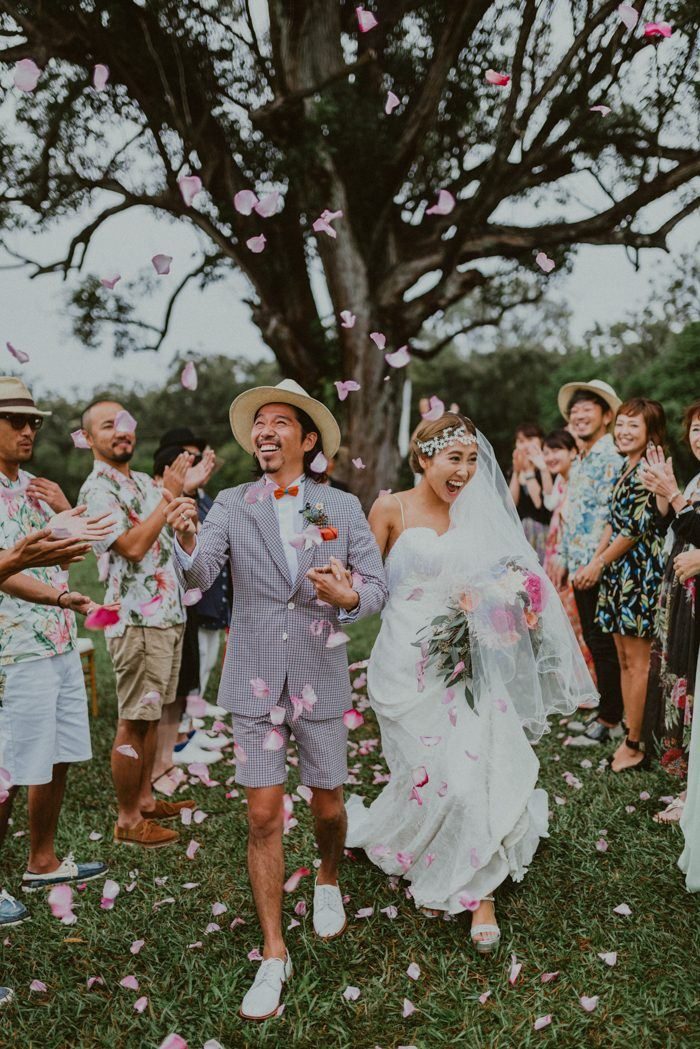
[628, 565]
[528, 484]
[589, 408]
[43, 704]
[689, 860]
[672, 681]
[559, 450]
[145, 645]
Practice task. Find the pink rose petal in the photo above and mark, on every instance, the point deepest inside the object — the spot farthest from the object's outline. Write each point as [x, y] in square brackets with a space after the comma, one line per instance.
[161, 264]
[26, 75]
[491, 76]
[110, 282]
[609, 957]
[413, 971]
[124, 422]
[336, 639]
[484, 997]
[101, 617]
[390, 911]
[130, 983]
[657, 29]
[293, 880]
[267, 205]
[140, 1004]
[365, 912]
[244, 201]
[173, 1041]
[408, 1008]
[100, 76]
[256, 244]
[378, 339]
[260, 688]
[445, 204]
[436, 410]
[347, 319]
[344, 388]
[38, 985]
[319, 463]
[127, 750]
[544, 262]
[548, 977]
[191, 597]
[138, 944]
[589, 1004]
[274, 740]
[392, 101]
[190, 187]
[19, 355]
[239, 753]
[628, 15]
[92, 981]
[277, 714]
[515, 967]
[602, 845]
[192, 849]
[542, 1021]
[79, 439]
[149, 608]
[352, 719]
[603, 110]
[358, 464]
[399, 359]
[420, 776]
[430, 741]
[351, 993]
[323, 223]
[622, 908]
[365, 20]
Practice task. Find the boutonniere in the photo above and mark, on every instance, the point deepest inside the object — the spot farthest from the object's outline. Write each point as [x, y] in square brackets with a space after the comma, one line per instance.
[316, 518]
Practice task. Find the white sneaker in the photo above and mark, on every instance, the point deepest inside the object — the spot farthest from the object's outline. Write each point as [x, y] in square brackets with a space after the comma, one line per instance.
[191, 753]
[263, 999]
[211, 710]
[329, 913]
[207, 742]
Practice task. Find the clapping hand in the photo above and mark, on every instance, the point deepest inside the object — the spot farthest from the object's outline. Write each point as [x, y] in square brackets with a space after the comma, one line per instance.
[333, 584]
[686, 565]
[48, 492]
[656, 473]
[73, 524]
[197, 476]
[175, 474]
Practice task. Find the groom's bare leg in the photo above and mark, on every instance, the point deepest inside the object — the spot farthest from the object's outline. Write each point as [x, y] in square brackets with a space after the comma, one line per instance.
[331, 824]
[266, 863]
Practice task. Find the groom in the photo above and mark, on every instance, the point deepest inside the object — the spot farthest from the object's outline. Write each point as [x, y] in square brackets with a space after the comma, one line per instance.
[288, 540]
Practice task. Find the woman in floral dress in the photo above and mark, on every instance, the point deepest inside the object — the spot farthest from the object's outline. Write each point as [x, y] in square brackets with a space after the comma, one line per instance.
[669, 706]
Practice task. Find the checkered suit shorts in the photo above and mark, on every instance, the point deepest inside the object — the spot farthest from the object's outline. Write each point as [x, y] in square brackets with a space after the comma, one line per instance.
[322, 747]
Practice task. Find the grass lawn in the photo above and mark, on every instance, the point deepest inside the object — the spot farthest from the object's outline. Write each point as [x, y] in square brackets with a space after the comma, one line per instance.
[559, 918]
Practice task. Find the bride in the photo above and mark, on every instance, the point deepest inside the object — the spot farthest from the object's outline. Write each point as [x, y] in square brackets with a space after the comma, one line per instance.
[475, 651]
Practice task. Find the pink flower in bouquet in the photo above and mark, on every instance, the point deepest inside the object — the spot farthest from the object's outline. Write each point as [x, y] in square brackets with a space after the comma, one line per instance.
[502, 621]
[533, 586]
[531, 618]
[469, 601]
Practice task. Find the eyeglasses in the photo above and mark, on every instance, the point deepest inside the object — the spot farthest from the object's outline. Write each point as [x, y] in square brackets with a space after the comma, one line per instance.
[18, 422]
[197, 460]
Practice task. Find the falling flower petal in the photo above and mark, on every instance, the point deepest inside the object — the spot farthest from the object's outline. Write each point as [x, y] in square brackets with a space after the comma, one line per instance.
[190, 186]
[344, 388]
[392, 101]
[347, 319]
[491, 76]
[152, 697]
[319, 463]
[589, 1004]
[293, 881]
[420, 776]
[430, 741]
[256, 244]
[436, 410]
[408, 1008]
[351, 993]
[544, 262]
[365, 20]
[161, 264]
[603, 110]
[19, 355]
[100, 76]
[37, 985]
[445, 204]
[609, 957]
[305, 792]
[378, 339]
[140, 1004]
[173, 1041]
[60, 900]
[413, 971]
[101, 617]
[515, 967]
[467, 903]
[628, 15]
[110, 282]
[79, 439]
[323, 222]
[660, 29]
[622, 908]
[336, 639]
[274, 740]
[358, 464]
[130, 983]
[27, 75]
[127, 750]
[399, 359]
[124, 422]
[352, 719]
[192, 849]
[240, 753]
[244, 201]
[149, 608]
[277, 715]
[268, 205]
[542, 1021]
[260, 688]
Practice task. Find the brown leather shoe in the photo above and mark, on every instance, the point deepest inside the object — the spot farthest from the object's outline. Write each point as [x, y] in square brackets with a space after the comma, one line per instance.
[168, 810]
[147, 833]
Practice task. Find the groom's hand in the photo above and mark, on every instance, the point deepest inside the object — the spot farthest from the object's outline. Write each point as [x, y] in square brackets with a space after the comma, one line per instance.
[181, 515]
[333, 584]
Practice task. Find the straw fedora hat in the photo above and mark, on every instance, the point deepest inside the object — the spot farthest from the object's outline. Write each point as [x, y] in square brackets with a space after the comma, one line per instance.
[243, 410]
[16, 398]
[597, 386]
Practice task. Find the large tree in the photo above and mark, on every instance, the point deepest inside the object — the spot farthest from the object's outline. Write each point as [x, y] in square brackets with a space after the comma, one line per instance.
[290, 95]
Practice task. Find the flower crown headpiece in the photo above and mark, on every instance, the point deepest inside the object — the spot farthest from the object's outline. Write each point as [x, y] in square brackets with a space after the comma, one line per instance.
[449, 435]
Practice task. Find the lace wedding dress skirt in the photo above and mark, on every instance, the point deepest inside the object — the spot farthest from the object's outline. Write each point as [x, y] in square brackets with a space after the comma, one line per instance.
[479, 817]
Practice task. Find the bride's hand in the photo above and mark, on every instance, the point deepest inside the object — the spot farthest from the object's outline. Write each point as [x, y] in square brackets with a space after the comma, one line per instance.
[333, 584]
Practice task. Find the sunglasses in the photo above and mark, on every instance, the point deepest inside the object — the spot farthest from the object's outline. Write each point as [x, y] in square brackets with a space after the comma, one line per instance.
[18, 422]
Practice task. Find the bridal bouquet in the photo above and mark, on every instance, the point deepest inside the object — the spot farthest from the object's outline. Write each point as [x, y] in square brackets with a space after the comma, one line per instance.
[497, 613]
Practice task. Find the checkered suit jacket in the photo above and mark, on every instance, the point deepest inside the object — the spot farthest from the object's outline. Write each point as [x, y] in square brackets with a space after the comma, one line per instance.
[270, 635]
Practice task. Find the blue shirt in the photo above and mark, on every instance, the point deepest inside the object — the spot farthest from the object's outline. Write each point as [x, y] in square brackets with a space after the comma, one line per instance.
[591, 482]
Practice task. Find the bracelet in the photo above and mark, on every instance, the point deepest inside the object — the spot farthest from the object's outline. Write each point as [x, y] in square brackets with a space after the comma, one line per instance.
[601, 561]
[58, 599]
[675, 495]
[530, 477]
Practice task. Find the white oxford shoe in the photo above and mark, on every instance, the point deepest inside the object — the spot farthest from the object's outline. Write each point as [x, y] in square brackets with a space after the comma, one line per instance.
[329, 913]
[263, 999]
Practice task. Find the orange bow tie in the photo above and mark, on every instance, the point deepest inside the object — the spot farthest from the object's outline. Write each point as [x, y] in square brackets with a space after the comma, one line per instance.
[292, 490]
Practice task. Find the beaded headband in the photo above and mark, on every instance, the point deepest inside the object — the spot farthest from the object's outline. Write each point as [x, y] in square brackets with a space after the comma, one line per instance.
[449, 435]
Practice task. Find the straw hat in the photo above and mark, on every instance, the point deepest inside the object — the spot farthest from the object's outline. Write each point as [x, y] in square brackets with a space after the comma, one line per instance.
[597, 386]
[16, 398]
[244, 408]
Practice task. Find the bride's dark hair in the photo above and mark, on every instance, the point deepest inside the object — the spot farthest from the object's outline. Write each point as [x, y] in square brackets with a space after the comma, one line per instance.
[427, 430]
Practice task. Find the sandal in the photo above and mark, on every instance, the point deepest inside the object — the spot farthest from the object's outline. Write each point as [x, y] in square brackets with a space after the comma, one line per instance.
[672, 813]
[643, 765]
[489, 946]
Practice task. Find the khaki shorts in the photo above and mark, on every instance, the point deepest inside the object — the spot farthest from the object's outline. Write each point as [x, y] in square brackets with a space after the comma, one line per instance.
[146, 660]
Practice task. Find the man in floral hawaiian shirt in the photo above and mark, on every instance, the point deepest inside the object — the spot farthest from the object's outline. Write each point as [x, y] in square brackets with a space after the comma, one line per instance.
[43, 705]
[589, 408]
[145, 644]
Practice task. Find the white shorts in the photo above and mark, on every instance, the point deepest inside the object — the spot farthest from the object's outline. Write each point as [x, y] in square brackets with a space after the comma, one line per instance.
[43, 717]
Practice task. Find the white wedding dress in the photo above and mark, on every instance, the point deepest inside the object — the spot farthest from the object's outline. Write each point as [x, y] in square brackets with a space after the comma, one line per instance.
[480, 816]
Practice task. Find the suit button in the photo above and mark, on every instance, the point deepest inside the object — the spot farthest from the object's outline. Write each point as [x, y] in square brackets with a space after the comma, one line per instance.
[284, 637]
[290, 605]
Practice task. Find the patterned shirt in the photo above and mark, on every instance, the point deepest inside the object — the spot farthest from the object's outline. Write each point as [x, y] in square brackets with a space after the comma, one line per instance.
[129, 499]
[588, 505]
[28, 630]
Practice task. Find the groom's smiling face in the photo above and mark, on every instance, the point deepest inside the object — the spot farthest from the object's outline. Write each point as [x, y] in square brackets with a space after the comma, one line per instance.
[279, 441]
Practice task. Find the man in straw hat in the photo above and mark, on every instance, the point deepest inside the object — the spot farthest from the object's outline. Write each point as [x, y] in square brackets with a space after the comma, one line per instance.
[303, 561]
[590, 408]
[43, 705]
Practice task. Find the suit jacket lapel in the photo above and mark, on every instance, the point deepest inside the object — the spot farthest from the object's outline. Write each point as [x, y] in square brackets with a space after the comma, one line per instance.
[266, 520]
[313, 493]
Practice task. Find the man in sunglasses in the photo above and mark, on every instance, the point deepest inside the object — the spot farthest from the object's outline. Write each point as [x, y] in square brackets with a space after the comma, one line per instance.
[43, 704]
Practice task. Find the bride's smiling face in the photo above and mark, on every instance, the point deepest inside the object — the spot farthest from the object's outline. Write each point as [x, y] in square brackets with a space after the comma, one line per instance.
[449, 470]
